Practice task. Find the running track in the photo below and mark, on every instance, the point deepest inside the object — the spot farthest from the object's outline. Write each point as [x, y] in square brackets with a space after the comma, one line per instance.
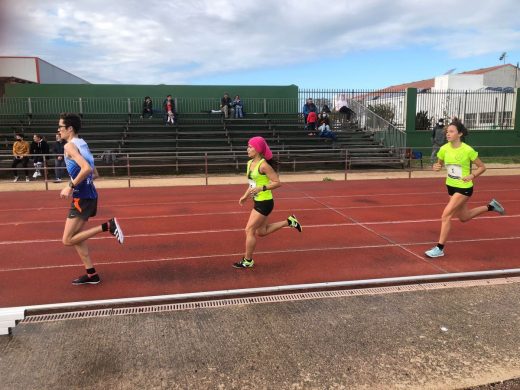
[184, 239]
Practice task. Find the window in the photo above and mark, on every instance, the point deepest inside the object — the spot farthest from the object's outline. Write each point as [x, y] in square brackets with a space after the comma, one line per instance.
[470, 120]
[487, 117]
[505, 118]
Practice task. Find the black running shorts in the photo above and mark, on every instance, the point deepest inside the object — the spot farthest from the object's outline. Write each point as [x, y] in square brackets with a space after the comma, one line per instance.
[464, 191]
[83, 208]
[264, 207]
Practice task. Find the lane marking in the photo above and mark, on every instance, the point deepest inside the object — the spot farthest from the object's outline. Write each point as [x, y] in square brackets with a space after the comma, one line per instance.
[281, 251]
[224, 213]
[180, 202]
[210, 231]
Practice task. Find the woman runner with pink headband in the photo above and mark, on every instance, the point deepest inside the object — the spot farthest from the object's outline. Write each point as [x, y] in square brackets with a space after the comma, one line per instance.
[262, 180]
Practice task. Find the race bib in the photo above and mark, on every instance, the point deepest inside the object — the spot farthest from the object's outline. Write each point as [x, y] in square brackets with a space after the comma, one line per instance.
[454, 171]
[252, 183]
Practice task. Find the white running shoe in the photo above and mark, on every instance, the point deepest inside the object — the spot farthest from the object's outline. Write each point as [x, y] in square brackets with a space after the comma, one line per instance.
[434, 252]
[497, 207]
[115, 230]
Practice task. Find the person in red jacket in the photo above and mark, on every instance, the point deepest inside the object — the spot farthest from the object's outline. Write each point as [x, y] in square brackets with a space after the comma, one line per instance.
[312, 118]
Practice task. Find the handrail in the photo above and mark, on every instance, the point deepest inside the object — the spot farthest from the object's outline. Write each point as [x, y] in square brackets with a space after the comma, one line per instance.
[384, 132]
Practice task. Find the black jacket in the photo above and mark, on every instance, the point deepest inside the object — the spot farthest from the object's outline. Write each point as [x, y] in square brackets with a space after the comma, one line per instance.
[41, 147]
[58, 148]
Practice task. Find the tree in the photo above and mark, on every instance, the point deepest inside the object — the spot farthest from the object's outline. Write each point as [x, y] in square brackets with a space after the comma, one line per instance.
[422, 122]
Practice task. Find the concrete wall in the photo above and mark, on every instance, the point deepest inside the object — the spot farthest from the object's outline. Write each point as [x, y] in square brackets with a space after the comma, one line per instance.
[459, 82]
[504, 77]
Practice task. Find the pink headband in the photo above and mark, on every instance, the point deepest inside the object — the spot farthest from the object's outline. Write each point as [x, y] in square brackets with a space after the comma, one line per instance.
[261, 147]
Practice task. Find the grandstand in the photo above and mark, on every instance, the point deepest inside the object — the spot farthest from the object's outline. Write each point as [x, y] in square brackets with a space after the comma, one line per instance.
[199, 139]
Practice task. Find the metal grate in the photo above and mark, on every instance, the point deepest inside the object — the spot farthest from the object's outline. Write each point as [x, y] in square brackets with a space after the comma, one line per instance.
[107, 312]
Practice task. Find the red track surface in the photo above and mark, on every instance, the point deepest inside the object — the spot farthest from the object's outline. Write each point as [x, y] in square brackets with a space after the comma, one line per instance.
[184, 239]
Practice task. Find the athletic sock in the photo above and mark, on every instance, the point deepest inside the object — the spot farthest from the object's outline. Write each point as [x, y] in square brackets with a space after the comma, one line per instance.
[104, 226]
[490, 207]
[440, 246]
[91, 271]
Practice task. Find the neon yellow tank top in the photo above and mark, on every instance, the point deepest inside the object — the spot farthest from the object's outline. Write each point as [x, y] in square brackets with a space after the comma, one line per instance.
[256, 179]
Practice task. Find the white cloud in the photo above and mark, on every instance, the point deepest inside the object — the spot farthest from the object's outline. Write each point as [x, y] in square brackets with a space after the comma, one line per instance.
[158, 42]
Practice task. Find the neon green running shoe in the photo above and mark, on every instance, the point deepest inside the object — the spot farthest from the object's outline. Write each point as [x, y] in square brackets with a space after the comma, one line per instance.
[244, 263]
[293, 222]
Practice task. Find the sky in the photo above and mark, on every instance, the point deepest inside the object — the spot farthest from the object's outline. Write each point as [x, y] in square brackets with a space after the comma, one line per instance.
[312, 44]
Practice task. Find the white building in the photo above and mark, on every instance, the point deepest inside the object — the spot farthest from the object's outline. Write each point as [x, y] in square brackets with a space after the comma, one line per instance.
[482, 98]
[33, 70]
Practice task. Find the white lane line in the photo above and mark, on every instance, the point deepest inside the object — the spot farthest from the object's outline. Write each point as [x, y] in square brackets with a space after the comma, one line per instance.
[211, 231]
[232, 200]
[281, 251]
[225, 213]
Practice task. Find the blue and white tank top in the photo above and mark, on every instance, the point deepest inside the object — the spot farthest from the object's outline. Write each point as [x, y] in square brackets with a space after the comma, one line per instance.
[85, 189]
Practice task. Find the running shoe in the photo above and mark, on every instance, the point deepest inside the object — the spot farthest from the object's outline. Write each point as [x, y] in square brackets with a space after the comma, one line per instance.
[497, 206]
[434, 252]
[15, 179]
[86, 279]
[244, 263]
[115, 230]
[293, 222]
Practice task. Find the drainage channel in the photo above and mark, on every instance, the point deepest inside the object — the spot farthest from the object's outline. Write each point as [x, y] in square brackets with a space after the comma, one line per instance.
[107, 312]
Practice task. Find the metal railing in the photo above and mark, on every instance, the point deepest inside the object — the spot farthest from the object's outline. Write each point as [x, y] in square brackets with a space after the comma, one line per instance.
[481, 109]
[205, 165]
[133, 105]
[388, 104]
[385, 133]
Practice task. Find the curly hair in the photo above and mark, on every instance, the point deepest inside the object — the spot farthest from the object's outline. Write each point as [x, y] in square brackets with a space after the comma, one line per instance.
[461, 129]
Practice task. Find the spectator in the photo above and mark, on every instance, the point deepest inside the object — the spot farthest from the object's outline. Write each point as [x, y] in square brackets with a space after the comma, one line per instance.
[147, 108]
[438, 139]
[309, 107]
[39, 150]
[312, 118]
[326, 109]
[20, 155]
[342, 106]
[238, 106]
[225, 105]
[169, 110]
[324, 126]
[59, 163]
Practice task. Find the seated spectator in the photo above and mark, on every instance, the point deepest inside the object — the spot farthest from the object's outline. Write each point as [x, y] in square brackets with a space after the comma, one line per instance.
[326, 109]
[58, 150]
[20, 155]
[324, 126]
[169, 110]
[225, 105]
[238, 106]
[39, 150]
[312, 118]
[309, 107]
[147, 108]
[342, 106]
